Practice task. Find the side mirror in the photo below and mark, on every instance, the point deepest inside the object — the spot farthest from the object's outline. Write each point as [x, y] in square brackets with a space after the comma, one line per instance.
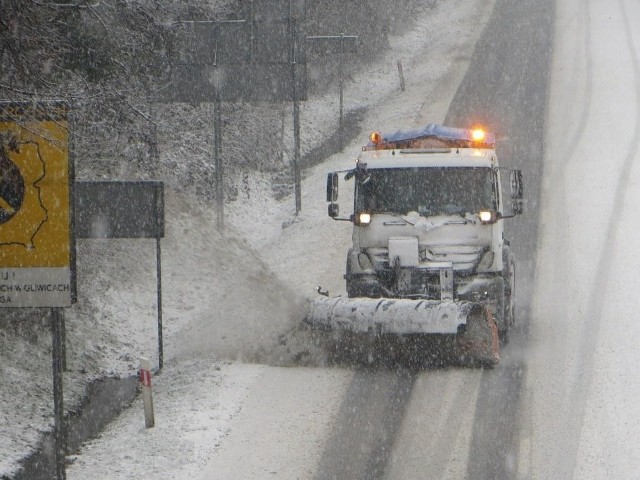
[333, 210]
[517, 189]
[332, 187]
[517, 207]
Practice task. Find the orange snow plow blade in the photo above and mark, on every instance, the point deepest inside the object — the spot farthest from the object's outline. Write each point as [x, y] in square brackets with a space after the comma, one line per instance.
[476, 334]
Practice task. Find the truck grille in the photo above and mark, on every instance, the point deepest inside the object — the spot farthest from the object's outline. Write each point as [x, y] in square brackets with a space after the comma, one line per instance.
[426, 283]
[463, 257]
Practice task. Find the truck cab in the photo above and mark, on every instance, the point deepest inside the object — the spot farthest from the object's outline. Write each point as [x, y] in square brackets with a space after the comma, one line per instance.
[428, 215]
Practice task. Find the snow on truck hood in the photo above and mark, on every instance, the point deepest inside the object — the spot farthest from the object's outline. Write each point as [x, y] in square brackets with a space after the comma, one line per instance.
[433, 230]
[427, 223]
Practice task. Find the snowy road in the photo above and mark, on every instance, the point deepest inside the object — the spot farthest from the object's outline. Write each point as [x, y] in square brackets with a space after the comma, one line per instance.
[563, 402]
[582, 382]
[450, 415]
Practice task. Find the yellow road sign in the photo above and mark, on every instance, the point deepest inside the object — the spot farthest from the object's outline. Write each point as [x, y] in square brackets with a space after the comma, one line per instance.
[35, 227]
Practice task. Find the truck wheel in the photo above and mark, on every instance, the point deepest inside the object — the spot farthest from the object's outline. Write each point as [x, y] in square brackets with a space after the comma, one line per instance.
[509, 275]
[351, 291]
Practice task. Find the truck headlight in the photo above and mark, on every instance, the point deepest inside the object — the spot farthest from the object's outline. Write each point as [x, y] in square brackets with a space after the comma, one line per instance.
[363, 218]
[488, 217]
[485, 216]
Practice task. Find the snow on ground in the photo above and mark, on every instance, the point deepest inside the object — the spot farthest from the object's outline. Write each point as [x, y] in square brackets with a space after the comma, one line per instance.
[582, 381]
[203, 273]
[194, 406]
[213, 313]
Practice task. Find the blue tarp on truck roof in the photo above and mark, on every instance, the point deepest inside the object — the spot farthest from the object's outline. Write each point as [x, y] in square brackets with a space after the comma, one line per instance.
[455, 135]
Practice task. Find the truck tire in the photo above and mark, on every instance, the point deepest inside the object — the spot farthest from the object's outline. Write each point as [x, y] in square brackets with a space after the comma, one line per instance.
[509, 275]
[353, 287]
[352, 292]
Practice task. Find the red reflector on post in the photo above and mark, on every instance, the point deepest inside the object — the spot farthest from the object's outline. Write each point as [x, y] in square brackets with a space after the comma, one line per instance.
[145, 377]
[147, 398]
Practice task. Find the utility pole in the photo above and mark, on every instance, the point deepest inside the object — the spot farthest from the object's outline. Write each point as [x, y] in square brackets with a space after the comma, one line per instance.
[57, 321]
[296, 120]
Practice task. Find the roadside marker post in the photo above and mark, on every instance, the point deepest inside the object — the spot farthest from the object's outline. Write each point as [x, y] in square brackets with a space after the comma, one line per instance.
[401, 75]
[147, 398]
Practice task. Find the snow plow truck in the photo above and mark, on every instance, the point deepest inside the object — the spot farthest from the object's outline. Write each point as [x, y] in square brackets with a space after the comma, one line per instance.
[429, 255]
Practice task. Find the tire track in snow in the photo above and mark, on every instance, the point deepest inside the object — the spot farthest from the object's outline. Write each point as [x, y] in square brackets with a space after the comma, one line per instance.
[549, 333]
[506, 89]
[566, 459]
[367, 424]
[433, 441]
[559, 171]
[578, 133]
[551, 326]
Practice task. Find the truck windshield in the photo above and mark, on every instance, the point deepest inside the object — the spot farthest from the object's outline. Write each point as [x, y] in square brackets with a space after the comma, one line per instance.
[428, 191]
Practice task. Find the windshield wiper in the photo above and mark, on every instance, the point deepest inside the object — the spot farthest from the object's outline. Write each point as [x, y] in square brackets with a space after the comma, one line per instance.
[398, 216]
